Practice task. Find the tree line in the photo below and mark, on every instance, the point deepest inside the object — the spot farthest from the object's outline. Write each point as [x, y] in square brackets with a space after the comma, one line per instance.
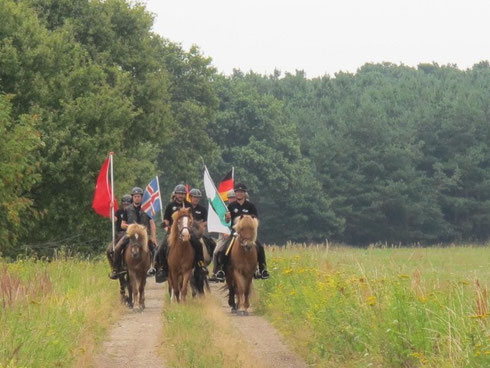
[387, 154]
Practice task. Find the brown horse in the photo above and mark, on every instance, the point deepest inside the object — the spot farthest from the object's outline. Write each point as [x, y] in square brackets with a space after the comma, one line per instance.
[180, 254]
[137, 257]
[242, 263]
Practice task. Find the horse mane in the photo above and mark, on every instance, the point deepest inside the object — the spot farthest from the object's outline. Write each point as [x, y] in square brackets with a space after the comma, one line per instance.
[174, 231]
[247, 221]
[139, 232]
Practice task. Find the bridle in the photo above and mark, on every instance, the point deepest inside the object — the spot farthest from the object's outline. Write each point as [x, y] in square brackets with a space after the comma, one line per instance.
[182, 225]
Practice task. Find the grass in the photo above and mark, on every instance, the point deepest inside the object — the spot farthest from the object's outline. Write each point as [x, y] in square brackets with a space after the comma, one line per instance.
[198, 335]
[53, 314]
[412, 307]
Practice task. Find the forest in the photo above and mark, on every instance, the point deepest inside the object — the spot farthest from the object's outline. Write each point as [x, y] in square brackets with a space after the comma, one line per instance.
[388, 154]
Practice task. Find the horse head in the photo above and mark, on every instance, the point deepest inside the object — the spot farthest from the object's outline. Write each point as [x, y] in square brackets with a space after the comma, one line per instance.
[138, 239]
[246, 227]
[182, 223]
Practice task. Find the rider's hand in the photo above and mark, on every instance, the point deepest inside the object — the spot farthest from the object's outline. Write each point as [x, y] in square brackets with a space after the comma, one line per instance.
[228, 216]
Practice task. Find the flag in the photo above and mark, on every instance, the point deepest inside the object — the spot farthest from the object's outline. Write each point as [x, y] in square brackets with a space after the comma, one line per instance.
[187, 193]
[217, 209]
[103, 193]
[152, 201]
[226, 184]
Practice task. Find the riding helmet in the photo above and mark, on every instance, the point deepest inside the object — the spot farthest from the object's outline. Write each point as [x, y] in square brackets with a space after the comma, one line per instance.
[180, 189]
[126, 198]
[231, 193]
[241, 187]
[195, 193]
[137, 190]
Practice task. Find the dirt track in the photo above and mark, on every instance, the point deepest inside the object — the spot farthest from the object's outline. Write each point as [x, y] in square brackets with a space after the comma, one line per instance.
[264, 340]
[139, 329]
[144, 329]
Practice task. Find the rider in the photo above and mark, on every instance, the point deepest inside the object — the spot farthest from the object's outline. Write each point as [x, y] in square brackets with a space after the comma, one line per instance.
[199, 213]
[133, 215]
[177, 202]
[118, 218]
[219, 275]
[242, 206]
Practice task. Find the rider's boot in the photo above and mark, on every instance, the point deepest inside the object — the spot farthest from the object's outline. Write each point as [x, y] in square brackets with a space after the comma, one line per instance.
[262, 272]
[199, 257]
[117, 270]
[152, 271]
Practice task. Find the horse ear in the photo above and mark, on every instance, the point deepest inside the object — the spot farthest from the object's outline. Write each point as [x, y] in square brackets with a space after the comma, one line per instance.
[241, 216]
[253, 216]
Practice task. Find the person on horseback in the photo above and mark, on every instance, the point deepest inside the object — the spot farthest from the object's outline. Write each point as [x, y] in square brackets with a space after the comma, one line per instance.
[118, 218]
[218, 274]
[199, 213]
[242, 206]
[133, 215]
[178, 201]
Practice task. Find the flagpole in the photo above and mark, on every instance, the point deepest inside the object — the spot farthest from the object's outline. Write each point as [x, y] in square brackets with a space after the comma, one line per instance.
[161, 204]
[112, 203]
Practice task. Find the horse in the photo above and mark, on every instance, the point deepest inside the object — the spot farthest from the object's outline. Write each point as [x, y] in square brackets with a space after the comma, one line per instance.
[180, 255]
[137, 257]
[242, 263]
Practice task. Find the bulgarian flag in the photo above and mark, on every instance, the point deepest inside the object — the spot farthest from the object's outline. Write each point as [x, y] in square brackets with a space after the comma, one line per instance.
[217, 209]
[227, 184]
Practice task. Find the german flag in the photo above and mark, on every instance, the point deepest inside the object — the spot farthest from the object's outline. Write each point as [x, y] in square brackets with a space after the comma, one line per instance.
[227, 184]
[187, 191]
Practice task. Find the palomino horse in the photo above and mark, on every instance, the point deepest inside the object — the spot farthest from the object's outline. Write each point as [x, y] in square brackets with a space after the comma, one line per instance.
[137, 257]
[242, 263]
[180, 254]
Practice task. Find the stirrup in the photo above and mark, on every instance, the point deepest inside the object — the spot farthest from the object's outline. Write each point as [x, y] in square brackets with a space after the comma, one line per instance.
[220, 275]
[264, 274]
[114, 275]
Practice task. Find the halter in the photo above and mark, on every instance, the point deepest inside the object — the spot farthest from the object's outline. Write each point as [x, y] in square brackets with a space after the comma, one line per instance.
[185, 225]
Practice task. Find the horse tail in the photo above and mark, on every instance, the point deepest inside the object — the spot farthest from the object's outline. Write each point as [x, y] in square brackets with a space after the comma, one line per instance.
[138, 231]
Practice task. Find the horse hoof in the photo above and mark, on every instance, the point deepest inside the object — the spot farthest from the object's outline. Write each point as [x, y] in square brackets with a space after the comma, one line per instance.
[244, 313]
[234, 311]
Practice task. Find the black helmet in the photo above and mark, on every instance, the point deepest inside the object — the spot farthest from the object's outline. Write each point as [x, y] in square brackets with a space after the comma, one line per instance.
[126, 198]
[195, 192]
[137, 190]
[241, 187]
[180, 189]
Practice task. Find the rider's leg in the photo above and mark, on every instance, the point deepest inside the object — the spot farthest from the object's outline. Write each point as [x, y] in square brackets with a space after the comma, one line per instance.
[160, 260]
[152, 269]
[109, 253]
[218, 274]
[121, 244]
[199, 257]
[262, 262]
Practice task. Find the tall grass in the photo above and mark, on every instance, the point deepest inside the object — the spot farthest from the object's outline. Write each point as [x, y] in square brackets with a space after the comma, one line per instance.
[51, 313]
[345, 307]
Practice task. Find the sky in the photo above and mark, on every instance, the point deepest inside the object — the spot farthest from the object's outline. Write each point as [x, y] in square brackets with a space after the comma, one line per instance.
[325, 37]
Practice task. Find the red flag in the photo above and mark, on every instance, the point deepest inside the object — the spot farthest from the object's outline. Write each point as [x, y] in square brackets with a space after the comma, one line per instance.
[187, 191]
[102, 196]
[226, 185]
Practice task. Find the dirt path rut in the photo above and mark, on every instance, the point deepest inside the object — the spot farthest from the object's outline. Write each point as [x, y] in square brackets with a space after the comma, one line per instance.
[136, 329]
[265, 342]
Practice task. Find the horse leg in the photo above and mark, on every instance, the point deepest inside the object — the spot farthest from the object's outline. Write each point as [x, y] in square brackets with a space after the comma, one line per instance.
[240, 291]
[130, 293]
[185, 282]
[122, 289]
[134, 286]
[142, 291]
[248, 289]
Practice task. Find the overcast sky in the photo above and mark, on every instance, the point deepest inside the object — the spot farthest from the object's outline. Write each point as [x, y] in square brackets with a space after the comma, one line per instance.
[324, 37]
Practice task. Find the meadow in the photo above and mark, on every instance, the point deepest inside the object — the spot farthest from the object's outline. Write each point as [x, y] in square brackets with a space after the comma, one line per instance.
[392, 307]
[54, 314]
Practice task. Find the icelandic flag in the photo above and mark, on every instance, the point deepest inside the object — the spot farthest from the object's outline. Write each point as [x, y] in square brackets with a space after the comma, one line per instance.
[152, 201]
